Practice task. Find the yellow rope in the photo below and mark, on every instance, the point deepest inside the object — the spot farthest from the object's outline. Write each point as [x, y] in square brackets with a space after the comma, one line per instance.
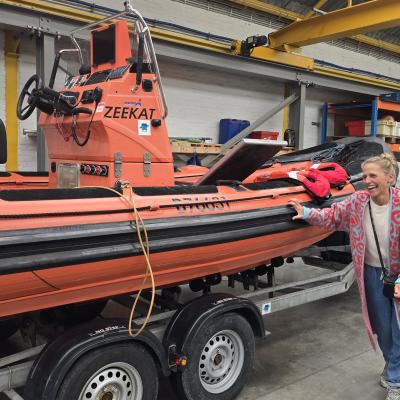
[144, 244]
[149, 270]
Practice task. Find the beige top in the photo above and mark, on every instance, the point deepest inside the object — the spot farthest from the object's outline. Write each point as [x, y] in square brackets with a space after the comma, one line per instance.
[380, 215]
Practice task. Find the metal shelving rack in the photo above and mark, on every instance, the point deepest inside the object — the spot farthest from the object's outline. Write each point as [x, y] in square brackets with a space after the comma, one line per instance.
[368, 110]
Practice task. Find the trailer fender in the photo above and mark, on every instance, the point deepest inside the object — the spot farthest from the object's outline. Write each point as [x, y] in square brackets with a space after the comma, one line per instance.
[59, 356]
[188, 320]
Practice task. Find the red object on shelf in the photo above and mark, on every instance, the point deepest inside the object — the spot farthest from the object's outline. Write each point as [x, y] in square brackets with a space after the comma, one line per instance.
[264, 135]
[356, 128]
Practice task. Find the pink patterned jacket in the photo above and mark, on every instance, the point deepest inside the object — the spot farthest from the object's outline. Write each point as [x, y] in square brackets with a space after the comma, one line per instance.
[348, 216]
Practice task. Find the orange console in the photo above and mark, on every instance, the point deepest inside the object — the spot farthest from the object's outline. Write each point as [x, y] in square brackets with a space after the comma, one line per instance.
[116, 129]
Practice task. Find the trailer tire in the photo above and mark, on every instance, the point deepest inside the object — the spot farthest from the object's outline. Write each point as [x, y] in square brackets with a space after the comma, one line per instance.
[219, 359]
[124, 370]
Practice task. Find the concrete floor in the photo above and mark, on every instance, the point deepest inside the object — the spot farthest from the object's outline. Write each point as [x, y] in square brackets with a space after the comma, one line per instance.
[315, 351]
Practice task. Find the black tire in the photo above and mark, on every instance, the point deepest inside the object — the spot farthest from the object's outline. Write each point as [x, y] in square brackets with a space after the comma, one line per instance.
[8, 327]
[123, 367]
[230, 335]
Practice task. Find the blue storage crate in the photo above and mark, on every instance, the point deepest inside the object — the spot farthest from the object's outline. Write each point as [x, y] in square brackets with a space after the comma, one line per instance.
[392, 97]
[228, 128]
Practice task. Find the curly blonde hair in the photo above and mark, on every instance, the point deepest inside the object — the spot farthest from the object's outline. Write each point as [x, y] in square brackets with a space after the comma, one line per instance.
[386, 161]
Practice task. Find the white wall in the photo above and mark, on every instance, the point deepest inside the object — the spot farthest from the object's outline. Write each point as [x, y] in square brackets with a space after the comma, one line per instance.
[199, 98]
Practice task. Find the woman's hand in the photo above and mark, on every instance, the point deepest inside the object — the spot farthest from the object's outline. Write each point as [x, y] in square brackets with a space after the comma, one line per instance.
[397, 291]
[300, 211]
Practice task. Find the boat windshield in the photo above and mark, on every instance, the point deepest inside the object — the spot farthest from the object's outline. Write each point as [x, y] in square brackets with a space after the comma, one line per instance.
[70, 61]
[76, 53]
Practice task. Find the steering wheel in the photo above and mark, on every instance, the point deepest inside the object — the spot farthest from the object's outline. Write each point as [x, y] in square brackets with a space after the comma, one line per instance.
[23, 112]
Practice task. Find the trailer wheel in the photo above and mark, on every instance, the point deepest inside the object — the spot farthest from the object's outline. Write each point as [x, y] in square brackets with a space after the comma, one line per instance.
[219, 360]
[121, 371]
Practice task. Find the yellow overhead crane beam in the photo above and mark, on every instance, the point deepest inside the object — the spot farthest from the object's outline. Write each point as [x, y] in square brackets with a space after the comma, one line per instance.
[366, 17]
[261, 53]
[290, 15]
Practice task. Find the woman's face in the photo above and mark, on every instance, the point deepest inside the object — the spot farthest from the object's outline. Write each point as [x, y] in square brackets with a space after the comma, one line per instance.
[376, 181]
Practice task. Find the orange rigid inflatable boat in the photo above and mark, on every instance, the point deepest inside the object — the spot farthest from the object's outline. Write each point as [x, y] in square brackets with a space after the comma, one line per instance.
[77, 241]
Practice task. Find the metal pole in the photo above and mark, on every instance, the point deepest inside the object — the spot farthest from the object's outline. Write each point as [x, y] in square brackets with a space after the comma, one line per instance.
[45, 52]
[324, 123]
[212, 159]
[374, 117]
[302, 113]
[297, 113]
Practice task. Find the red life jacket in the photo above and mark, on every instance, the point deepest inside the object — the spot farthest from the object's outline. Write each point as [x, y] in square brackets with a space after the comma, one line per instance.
[314, 183]
[333, 172]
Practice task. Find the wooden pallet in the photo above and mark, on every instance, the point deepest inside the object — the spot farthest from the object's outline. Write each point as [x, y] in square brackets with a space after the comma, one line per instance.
[186, 147]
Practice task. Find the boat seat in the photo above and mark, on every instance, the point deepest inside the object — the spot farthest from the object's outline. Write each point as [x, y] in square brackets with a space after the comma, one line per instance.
[3, 143]
[242, 160]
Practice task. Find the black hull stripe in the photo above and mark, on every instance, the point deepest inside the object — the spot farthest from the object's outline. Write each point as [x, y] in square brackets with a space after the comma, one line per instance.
[189, 221]
[101, 252]
[147, 208]
[35, 249]
[29, 236]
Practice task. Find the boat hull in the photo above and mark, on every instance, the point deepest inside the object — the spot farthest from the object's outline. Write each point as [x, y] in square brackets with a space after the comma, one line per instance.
[83, 282]
[56, 251]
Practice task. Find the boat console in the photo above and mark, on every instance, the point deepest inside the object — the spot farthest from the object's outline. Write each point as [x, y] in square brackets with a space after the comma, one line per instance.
[106, 124]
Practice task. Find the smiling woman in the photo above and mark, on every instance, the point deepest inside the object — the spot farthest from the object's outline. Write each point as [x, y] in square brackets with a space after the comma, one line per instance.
[378, 175]
[371, 217]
